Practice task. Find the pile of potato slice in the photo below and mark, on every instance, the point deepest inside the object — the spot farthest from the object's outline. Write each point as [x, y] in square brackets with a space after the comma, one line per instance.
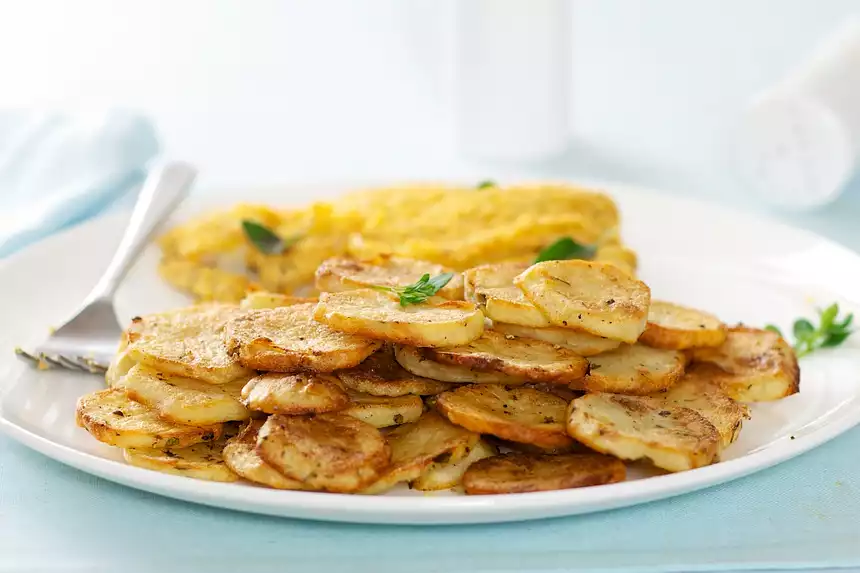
[512, 378]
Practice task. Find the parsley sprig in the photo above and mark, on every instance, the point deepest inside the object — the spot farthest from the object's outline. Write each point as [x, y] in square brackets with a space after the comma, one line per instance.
[266, 240]
[829, 333]
[419, 291]
[566, 248]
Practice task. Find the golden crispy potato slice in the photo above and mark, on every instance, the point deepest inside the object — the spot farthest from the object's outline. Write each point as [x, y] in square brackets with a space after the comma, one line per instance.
[114, 418]
[415, 446]
[635, 427]
[341, 273]
[288, 339]
[582, 343]
[677, 327]
[381, 375]
[186, 342]
[633, 369]
[449, 474]
[200, 461]
[517, 414]
[415, 361]
[701, 389]
[506, 445]
[595, 297]
[524, 358]
[379, 315]
[492, 288]
[184, 400]
[263, 299]
[331, 452]
[563, 392]
[384, 411]
[292, 394]
[760, 365]
[521, 473]
[240, 455]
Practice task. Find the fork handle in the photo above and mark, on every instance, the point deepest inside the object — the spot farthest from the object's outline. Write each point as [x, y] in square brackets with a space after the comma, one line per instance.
[165, 187]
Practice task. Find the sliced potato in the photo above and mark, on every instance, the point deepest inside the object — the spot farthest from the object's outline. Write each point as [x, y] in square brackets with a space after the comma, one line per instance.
[301, 393]
[633, 369]
[240, 455]
[595, 297]
[521, 473]
[582, 343]
[200, 461]
[340, 274]
[379, 315]
[634, 427]
[524, 358]
[760, 365]
[573, 448]
[114, 418]
[563, 392]
[448, 474]
[415, 361]
[263, 299]
[381, 375]
[288, 339]
[516, 414]
[677, 327]
[118, 367]
[331, 452]
[384, 411]
[492, 288]
[184, 400]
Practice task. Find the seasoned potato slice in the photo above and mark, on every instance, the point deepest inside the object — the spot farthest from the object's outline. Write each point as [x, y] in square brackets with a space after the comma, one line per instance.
[582, 343]
[492, 288]
[301, 393]
[240, 455]
[633, 428]
[331, 452]
[520, 473]
[415, 361]
[114, 418]
[288, 339]
[340, 274]
[184, 400]
[677, 327]
[516, 414]
[263, 299]
[701, 389]
[524, 358]
[381, 375]
[200, 461]
[563, 392]
[573, 448]
[761, 366]
[448, 474]
[595, 297]
[633, 369]
[384, 411]
[379, 315]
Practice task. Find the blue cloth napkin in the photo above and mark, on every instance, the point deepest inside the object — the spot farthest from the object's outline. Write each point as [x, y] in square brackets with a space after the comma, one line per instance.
[57, 169]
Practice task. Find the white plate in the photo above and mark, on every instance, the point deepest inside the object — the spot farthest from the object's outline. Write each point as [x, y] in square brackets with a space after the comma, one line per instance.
[742, 268]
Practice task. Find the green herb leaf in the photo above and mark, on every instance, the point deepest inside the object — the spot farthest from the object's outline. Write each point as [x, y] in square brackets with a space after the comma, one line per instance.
[802, 329]
[564, 249]
[485, 184]
[421, 290]
[829, 333]
[773, 328]
[266, 240]
[835, 339]
[828, 315]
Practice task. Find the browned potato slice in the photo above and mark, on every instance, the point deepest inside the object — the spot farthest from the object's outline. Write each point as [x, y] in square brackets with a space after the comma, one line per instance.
[288, 339]
[563, 392]
[381, 412]
[634, 427]
[582, 343]
[415, 361]
[761, 366]
[524, 358]
[677, 327]
[241, 456]
[381, 375]
[448, 474]
[340, 273]
[331, 452]
[595, 297]
[114, 418]
[573, 448]
[492, 288]
[520, 473]
[379, 315]
[263, 299]
[200, 461]
[302, 393]
[633, 369]
[516, 414]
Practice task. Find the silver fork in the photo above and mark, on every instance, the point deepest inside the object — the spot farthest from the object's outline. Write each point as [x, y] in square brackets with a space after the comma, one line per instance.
[88, 341]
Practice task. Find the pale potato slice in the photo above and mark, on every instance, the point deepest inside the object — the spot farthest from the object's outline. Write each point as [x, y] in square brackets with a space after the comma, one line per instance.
[633, 369]
[118, 367]
[492, 288]
[595, 297]
[186, 342]
[449, 474]
[415, 361]
[292, 394]
[517, 414]
[384, 411]
[288, 339]
[200, 461]
[635, 427]
[760, 365]
[184, 400]
[240, 455]
[381, 375]
[701, 389]
[521, 473]
[582, 343]
[341, 273]
[263, 299]
[524, 358]
[379, 315]
[114, 418]
[677, 327]
[331, 452]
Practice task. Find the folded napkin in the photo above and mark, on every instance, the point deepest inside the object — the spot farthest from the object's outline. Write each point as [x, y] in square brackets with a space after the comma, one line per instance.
[57, 169]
